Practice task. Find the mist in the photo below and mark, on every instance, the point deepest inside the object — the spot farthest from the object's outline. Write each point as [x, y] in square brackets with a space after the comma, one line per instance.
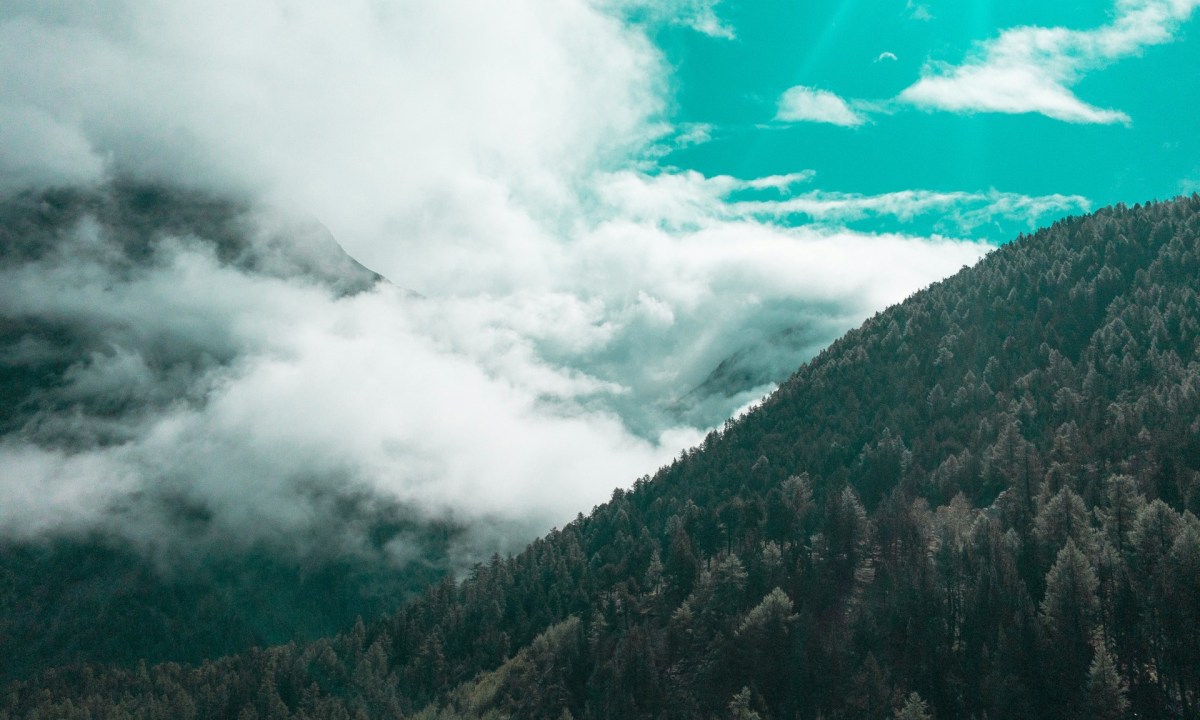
[535, 313]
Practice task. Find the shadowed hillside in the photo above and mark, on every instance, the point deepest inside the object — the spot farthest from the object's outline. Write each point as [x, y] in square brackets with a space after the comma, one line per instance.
[980, 503]
[78, 375]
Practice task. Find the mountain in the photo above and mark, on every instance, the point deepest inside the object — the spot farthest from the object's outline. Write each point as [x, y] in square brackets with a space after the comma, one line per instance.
[87, 364]
[129, 312]
[758, 366]
[116, 233]
[981, 503]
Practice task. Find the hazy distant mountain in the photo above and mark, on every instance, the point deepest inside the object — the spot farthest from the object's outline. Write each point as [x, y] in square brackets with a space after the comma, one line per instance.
[762, 365]
[128, 305]
[76, 374]
[982, 502]
[118, 233]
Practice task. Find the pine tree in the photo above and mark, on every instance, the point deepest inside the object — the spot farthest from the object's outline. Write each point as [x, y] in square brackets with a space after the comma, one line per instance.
[1183, 612]
[914, 709]
[1069, 611]
[739, 707]
[764, 641]
[1064, 517]
[681, 565]
[1106, 688]
[1012, 462]
[1124, 504]
[1070, 604]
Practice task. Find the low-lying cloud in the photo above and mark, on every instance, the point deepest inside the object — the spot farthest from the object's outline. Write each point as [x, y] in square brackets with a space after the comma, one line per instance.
[252, 395]
[558, 307]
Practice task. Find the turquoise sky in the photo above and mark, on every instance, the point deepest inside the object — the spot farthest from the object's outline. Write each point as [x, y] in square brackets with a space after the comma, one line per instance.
[734, 86]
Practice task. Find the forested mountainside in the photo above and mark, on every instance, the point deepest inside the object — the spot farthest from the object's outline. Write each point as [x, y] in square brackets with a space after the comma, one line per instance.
[979, 504]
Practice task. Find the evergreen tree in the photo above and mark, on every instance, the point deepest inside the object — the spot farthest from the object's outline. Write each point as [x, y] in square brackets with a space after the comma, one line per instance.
[914, 709]
[739, 707]
[1069, 611]
[1106, 688]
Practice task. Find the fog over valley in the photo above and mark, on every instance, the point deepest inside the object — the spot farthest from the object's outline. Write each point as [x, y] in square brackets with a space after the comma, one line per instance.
[673, 359]
[557, 318]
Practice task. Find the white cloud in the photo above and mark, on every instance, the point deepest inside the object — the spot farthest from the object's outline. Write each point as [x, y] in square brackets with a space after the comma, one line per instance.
[693, 134]
[805, 104]
[679, 200]
[781, 182]
[516, 409]
[1031, 69]
[377, 392]
[491, 157]
[380, 118]
[918, 11]
[966, 210]
[699, 15]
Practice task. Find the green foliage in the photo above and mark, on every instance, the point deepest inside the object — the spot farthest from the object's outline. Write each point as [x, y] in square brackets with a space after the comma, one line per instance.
[1106, 688]
[739, 707]
[914, 709]
[1021, 544]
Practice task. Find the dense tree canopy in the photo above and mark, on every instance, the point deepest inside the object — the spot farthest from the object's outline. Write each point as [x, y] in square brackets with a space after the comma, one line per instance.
[980, 503]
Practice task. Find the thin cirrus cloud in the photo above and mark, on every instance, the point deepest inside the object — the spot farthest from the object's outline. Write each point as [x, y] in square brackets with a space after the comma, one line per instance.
[806, 104]
[1032, 69]
[960, 211]
[699, 15]
[918, 11]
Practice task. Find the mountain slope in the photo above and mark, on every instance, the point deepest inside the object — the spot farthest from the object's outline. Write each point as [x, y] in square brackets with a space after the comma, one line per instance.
[96, 369]
[118, 234]
[985, 496]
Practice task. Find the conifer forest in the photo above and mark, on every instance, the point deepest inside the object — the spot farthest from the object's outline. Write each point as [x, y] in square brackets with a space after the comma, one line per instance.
[982, 503]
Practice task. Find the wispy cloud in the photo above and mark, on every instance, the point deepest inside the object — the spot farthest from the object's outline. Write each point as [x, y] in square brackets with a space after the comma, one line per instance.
[1032, 69]
[961, 211]
[691, 134]
[806, 104]
[918, 11]
[690, 200]
[780, 182]
[699, 15]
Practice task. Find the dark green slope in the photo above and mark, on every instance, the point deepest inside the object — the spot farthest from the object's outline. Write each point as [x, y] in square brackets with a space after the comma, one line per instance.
[982, 502]
[97, 595]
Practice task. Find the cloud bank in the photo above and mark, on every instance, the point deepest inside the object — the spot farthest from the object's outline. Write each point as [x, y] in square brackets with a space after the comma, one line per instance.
[558, 305]
[1032, 69]
[259, 394]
